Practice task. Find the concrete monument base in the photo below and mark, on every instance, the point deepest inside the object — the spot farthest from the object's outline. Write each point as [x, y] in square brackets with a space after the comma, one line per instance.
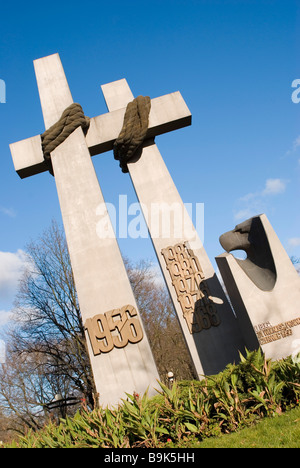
[264, 289]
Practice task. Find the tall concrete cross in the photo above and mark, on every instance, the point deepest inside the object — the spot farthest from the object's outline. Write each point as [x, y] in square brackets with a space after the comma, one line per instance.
[208, 324]
[120, 354]
[206, 319]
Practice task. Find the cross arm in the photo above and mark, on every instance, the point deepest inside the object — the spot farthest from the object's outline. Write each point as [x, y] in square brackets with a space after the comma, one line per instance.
[28, 157]
[168, 112]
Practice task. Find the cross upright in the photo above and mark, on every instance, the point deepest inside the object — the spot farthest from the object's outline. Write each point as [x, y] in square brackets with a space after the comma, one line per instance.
[208, 324]
[206, 319]
[119, 350]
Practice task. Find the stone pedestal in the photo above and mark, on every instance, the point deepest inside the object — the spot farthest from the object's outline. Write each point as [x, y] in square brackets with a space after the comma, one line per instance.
[264, 289]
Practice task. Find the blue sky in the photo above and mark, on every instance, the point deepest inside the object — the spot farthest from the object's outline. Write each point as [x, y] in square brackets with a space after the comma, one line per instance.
[234, 63]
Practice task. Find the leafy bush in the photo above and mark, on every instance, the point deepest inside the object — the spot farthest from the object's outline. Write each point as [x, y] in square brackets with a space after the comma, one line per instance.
[242, 393]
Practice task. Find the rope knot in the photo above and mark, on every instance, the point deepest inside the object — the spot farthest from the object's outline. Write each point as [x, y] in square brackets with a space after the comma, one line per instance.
[71, 118]
[133, 133]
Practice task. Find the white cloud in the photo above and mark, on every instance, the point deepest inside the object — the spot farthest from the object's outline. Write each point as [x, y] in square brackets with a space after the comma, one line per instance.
[11, 267]
[295, 146]
[255, 203]
[8, 211]
[248, 197]
[274, 186]
[244, 214]
[296, 143]
[5, 316]
[294, 242]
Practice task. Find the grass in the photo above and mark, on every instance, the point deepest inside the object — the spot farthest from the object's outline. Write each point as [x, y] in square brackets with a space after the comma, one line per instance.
[281, 431]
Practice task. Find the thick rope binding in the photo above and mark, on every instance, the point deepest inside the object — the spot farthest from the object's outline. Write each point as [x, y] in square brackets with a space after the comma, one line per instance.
[134, 130]
[71, 118]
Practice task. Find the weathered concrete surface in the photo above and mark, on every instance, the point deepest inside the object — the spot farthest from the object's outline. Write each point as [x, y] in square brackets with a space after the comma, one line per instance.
[101, 280]
[28, 157]
[211, 349]
[264, 288]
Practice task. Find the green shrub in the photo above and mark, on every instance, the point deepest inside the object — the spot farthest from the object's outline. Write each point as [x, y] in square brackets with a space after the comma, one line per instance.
[242, 393]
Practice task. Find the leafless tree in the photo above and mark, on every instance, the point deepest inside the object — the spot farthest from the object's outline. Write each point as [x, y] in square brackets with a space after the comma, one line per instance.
[47, 334]
[296, 262]
[46, 346]
[160, 321]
